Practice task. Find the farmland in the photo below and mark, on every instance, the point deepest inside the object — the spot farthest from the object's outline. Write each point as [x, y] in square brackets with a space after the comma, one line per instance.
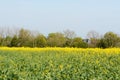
[59, 64]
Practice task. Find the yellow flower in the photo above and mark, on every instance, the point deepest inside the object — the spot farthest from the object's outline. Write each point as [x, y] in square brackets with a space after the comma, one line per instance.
[61, 67]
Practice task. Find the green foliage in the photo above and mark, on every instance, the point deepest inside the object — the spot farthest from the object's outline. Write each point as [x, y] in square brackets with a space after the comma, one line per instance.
[56, 40]
[40, 41]
[111, 39]
[14, 41]
[1, 41]
[118, 45]
[24, 37]
[78, 42]
[59, 65]
[6, 41]
[68, 42]
[101, 43]
[27, 38]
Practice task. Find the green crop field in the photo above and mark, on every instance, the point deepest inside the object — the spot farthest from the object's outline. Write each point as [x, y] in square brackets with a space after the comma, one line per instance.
[63, 64]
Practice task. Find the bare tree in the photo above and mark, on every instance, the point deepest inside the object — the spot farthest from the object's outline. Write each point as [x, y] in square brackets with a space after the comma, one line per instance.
[69, 34]
[93, 34]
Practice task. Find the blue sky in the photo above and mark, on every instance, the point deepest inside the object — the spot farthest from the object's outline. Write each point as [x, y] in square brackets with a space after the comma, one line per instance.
[48, 16]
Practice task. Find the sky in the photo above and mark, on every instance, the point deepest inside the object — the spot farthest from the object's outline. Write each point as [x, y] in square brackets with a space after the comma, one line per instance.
[46, 16]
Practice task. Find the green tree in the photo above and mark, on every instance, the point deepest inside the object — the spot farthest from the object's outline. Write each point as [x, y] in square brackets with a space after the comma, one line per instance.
[78, 42]
[56, 40]
[24, 38]
[6, 41]
[14, 41]
[101, 43]
[40, 41]
[1, 41]
[111, 39]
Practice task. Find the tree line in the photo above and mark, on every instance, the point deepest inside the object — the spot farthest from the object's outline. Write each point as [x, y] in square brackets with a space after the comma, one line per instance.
[26, 38]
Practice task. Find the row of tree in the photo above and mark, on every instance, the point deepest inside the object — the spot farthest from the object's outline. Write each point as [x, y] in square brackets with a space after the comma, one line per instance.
[108, 40]
[26, 38]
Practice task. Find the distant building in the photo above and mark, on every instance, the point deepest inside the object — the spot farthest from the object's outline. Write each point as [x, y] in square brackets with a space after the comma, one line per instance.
[86, 40]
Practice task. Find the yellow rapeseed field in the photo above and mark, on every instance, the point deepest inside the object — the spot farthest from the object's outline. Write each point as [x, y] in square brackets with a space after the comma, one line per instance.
[108, 50]
[20, 63]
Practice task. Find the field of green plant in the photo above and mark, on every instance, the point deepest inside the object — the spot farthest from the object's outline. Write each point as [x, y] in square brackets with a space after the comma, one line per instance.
[59, 64]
